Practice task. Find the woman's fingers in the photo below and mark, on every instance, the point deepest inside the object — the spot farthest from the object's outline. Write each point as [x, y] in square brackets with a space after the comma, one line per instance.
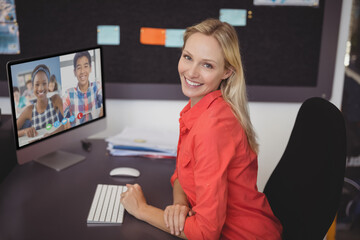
[182, 217]
[176, 219]
[175, 216]
[171, 220]
[166, 218]
[134, 200]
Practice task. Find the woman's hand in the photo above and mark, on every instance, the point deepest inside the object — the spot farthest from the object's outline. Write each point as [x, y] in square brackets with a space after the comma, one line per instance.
[174, 217]
[133, 200]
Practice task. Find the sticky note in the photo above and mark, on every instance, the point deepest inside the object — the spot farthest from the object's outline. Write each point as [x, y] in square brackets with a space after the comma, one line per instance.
[9, 38]
[152, 36]
[174, 37]
[235, 17]
[108, 35]
[312, 3]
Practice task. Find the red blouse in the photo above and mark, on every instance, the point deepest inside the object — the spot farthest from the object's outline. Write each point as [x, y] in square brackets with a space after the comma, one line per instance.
[217, 170]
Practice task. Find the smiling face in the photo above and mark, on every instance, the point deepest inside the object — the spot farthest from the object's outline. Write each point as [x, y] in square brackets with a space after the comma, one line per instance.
[201, 67]
[40, 85]
[82, 71]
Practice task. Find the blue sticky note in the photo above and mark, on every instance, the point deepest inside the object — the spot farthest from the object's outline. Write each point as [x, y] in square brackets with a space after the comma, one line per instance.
[108, 35]
[174, 37]
[235, 17]
[9, 38]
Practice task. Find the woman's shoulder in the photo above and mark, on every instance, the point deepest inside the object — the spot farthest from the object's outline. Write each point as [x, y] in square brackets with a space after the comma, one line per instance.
[220, 110]
[219, 120]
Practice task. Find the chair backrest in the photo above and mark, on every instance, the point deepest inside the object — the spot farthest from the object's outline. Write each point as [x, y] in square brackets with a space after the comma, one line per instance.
[304, 190]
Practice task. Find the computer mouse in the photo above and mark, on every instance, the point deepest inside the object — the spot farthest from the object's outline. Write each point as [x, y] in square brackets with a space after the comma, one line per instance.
[124, 172]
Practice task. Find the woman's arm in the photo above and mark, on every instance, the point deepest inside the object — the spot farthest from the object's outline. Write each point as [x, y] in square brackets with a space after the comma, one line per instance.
[179, 195]
[134, 202]
[175, 215]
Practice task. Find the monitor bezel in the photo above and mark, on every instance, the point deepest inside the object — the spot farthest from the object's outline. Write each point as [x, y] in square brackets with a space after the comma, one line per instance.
[34, 147]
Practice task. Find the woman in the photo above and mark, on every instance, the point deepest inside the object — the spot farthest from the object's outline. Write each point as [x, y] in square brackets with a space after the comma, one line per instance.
[214, 183]
[44, 110]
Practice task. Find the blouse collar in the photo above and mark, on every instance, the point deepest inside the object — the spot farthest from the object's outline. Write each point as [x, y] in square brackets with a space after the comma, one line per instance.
[189, 114]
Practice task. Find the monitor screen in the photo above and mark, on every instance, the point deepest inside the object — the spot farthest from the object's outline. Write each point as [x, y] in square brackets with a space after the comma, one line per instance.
[55, 98]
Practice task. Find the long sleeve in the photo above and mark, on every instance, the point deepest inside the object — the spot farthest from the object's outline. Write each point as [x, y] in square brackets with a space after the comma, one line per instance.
[213, 152]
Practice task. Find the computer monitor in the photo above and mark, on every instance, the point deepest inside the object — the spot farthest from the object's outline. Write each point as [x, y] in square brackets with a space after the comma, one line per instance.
[55, 101]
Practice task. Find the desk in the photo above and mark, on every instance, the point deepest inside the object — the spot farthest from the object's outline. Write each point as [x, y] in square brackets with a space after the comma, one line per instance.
[37, 202]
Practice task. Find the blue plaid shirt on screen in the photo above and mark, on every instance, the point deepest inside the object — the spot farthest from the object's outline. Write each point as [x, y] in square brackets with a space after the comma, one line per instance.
[75, 102]
[50, 115]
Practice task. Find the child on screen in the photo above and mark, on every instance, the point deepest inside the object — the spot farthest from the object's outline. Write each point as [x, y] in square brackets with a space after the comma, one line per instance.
[44, 110]
[84, 101]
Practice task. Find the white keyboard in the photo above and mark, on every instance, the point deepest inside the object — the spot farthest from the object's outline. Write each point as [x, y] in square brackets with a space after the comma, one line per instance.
[106, 207]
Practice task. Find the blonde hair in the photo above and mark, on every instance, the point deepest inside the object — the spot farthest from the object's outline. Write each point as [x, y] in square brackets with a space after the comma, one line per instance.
[233, 89]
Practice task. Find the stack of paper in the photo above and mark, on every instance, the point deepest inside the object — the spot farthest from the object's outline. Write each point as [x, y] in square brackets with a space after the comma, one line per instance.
[143, 142]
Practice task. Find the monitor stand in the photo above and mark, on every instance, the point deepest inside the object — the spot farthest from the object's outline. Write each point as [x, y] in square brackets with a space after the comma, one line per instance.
[59, 160]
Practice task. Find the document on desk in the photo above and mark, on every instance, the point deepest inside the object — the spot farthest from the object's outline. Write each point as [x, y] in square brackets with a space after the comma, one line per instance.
[114, 151]
[135, 141]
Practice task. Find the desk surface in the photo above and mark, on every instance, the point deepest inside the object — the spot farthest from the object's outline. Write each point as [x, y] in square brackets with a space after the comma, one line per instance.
[37, 202]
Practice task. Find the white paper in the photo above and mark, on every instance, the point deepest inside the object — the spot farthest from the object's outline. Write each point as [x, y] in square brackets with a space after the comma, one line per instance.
[148, 138]
[115, 152]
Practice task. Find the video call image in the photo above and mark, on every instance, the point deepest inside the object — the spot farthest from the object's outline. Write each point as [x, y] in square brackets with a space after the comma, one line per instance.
[55, 94]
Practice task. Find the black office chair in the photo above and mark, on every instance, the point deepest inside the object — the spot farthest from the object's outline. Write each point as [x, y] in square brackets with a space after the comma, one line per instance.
[304, 190]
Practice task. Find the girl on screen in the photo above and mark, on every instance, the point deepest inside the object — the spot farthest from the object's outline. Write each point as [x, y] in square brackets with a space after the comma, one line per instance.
[43, 111]
[214, 184]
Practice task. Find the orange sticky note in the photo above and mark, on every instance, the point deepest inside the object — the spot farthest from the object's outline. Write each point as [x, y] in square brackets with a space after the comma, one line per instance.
[152, 36]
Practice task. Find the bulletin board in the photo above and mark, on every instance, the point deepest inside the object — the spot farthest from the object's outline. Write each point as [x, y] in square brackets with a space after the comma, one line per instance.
[288, 52]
